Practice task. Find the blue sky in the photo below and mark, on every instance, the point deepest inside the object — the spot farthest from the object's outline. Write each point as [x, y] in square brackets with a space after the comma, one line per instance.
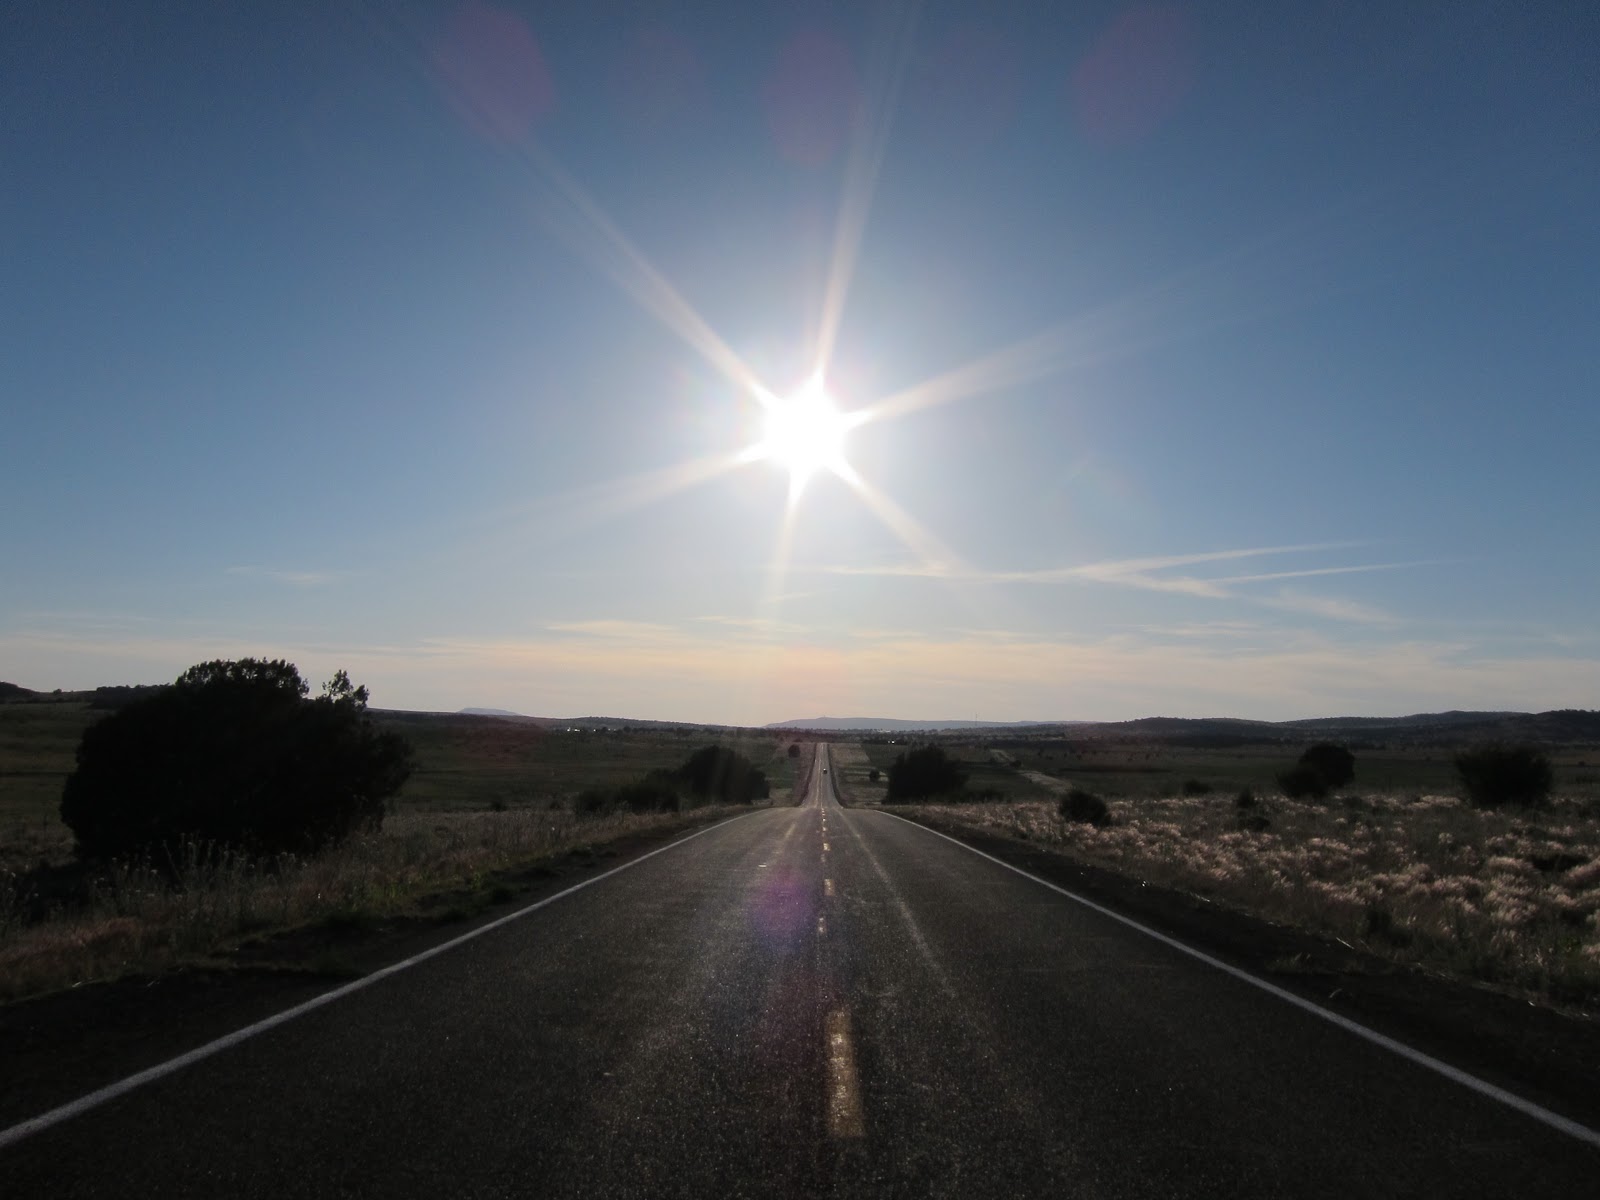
[1215, 359]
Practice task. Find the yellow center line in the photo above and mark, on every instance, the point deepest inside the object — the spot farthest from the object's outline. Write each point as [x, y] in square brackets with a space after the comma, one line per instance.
[824, 847]
[822, 925]
[827, 887]
[844, 1090]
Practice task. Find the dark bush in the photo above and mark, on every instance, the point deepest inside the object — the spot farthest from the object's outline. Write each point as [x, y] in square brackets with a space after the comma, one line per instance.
[1085, 807]
[723, 776]
[1303, 781]
[923, 772]
[794, 749]
[233, 754]
[1334, 763]
[592, 802]
[654, 793]
[874, 775]
[1245, 799]
[1495, 774]
[1196, 787]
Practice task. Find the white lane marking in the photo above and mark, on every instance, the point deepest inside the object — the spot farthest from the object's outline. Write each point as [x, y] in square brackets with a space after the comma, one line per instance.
[824, 847]
[122, 1087]
[822, 925]
[1483, 1087]
[904, 910]
[844, 1090]
[827, 887]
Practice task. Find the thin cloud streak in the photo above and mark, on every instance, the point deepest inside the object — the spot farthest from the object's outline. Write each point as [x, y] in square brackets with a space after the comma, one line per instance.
[1356, 570]
[303, 579]
[1142, 573]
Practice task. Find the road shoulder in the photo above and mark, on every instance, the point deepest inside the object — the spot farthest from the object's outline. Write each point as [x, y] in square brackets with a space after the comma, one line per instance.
[1549, 1056]
[59, 1046]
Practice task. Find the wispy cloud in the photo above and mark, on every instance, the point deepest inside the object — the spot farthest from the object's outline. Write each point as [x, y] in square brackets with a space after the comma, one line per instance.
[616, 630]
[302, 579]
[1327, 607]
[1307, 574]
[753, 626]
[1160, 574]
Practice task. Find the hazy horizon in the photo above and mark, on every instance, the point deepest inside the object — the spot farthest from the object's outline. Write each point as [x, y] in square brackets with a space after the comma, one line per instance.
[1233, 359]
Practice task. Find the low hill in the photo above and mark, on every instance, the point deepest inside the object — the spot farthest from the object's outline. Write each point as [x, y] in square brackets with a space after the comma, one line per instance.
[895, 725]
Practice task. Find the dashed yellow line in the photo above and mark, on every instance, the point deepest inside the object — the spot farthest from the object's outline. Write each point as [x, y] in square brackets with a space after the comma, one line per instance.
[844, 1089]
[827, 887]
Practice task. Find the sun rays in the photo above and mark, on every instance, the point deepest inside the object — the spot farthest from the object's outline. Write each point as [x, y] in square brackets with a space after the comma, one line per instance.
[805, 431]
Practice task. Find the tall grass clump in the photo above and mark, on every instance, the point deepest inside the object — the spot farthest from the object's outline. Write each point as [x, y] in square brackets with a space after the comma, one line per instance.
[142, 915]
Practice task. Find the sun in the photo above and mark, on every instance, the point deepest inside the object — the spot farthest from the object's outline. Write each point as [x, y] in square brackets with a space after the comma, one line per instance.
[805, 433]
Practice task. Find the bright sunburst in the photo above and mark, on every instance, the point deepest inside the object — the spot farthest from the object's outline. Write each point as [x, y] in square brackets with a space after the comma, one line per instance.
[805, 433]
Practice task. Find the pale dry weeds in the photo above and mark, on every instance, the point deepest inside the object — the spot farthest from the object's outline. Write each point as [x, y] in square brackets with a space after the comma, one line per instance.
[136, 922]
[1507, 897]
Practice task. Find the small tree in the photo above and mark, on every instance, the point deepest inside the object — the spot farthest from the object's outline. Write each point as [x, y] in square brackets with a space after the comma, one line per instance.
[724, 776]
[1334, 763]
[794, 749]
[925, 771]
[233, 754]
[1495, 774]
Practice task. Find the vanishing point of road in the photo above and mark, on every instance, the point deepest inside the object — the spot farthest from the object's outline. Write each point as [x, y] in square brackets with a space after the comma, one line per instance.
[804, 1001]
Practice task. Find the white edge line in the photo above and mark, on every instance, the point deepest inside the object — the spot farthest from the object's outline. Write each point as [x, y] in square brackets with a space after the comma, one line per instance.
[1482, 1086]
[74, 1108]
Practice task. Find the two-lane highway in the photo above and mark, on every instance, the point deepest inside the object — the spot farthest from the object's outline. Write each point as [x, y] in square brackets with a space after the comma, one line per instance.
[805, 1001]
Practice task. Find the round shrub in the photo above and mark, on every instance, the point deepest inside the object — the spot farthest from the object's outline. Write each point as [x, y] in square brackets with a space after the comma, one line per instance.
[653, 793]
[1085, 808]
[1495, 775]
[1334, 763]
[234, 754]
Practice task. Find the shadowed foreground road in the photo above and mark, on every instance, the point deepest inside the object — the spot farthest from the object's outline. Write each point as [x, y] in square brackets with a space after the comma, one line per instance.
[805, 1001]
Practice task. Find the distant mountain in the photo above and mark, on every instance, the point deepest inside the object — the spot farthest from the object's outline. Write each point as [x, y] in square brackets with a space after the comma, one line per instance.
[491, 712]
[1432, 720]
[892, 725]
[1564, 726]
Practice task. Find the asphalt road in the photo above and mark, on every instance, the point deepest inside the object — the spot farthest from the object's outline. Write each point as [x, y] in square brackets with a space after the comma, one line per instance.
[805, 1001]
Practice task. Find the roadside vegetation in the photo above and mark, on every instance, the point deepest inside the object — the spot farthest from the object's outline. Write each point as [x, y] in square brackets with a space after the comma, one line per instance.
[431, 816]
[1494, 877]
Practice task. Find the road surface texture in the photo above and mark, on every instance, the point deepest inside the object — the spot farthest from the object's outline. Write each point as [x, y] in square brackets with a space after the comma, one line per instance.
[806, 1001]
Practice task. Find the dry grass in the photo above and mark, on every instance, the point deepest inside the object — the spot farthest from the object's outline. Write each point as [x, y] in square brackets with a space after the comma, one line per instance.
[1509, 898]
[135, 922]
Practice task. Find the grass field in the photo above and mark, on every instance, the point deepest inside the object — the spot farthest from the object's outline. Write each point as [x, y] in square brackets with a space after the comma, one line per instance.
[488, 798]
[1397, 864]
[463, 764]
